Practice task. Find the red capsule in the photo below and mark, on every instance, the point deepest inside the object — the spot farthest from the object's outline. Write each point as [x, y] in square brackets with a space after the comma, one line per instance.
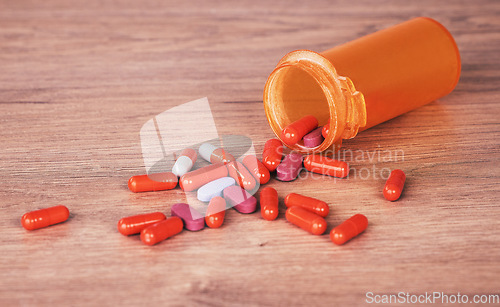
[349, 229]
[135, 224]
[394, 185]
[161, 230]
[326, 130]
[269, 203]
[195, 179]
[272, 154]
[152, 182]
[44, 217]
[310, 204]
[294, 132]
[241, 175]
[306, 220]
[216, 211]
[258, 170]
[326, 166]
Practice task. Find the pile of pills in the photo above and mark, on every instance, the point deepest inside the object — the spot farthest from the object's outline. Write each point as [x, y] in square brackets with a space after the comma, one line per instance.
[228, 183]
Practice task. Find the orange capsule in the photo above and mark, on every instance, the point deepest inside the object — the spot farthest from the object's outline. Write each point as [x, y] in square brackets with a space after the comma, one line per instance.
[310, 204]
[241, 175]
[161, 230]
[44, 217]
[272, 154]
[349, 229]
[326, 130]
[195, 179]
[269, 203]
[394, 185]
[294, 132]
[135, 224]
[152, 182]
[216, 211]
[326, 166]
[258, 170]
[306, 220]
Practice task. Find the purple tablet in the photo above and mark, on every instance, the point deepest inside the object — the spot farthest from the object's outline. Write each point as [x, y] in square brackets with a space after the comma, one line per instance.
[192, 219]
[313, 138]
[240, 199]
[290, 167]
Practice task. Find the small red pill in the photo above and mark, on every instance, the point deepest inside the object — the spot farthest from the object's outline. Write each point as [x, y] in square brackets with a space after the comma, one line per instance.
[326, 130]
[306, 220]
[310, 204]
[269, 203]
[135, 224]
[349, 229]
[258, 170]
[294, 132]
[216, 211]
[44, 217]
[326, 166]
[241, 175]
[152, 182]
[272, 154]
[394, 185]
[161, 230]
[195, 179]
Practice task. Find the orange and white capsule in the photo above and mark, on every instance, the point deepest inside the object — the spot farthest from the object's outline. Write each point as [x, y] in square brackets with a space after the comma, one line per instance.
[258, 170]
[272, 154]
[306, 220]
[241, 175]
[269, 203]
[213, 154]
[161, 230]
[135, 224]
[394, 185]
[184, 162]
[152, 182]
[195, 179]
[294, 132]
[327, 166]
[44, 217]
[216, 211]
[349, 229]
[310, 204]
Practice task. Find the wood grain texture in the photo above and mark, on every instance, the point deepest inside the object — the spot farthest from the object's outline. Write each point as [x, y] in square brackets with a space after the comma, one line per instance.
[79, 79]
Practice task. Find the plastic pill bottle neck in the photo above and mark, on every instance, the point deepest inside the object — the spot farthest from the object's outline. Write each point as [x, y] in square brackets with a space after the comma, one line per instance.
[306, 83]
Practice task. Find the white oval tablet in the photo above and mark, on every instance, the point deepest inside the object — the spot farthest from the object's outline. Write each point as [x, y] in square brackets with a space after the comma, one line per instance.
[214, 188]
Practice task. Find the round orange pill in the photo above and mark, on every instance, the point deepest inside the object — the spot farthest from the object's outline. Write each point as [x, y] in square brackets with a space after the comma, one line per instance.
[258, 170]
[135, 224]
[327, 166]
[294, 132]
[394, 185]
[272, 154]
[306, 220]
[241, 175]
[349, 229]
[152, 182]
[216, 212]
[161, 230]
[269, 203]
[45, 217]
[310, 204]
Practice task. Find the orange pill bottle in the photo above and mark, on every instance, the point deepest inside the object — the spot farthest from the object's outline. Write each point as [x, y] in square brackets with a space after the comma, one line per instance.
[364, 82]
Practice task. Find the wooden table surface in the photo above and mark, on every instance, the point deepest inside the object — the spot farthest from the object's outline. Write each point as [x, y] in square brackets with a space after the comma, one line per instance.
[78, 81]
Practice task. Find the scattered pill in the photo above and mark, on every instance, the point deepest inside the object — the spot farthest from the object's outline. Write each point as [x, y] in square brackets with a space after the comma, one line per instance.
[216, 211]
[152, 182]
[290, 168]
[294, 132]
[258, 170]
[213, 154]
[240, 199]
[327, 166]
[242, 176]
[306, 220]
[184, 162]
[161, 231]
[192, 219]
[272, 154]
[269, 203]
[349, 229]
[44, 217]
[326, 129]
[197, 178]
[394, 185]
[135, 224]
[214, 188]
[310, 204]
[313, 138]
